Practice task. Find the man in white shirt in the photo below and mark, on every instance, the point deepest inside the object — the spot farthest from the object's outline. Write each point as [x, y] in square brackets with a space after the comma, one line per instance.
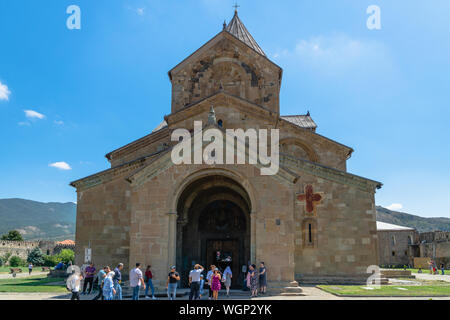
[136, 280]
[74, 284]
[194, 281]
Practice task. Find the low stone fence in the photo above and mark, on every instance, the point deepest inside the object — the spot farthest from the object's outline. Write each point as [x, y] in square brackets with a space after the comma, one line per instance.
[392, 273]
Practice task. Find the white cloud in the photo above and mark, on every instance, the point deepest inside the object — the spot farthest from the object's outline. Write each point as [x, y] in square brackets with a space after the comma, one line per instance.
[337, 54]
[4, 92]
[31, 114]
[59, 122]
[24, 123]
[61, 226]
[138, 11]
[395, 206]
[60, 165]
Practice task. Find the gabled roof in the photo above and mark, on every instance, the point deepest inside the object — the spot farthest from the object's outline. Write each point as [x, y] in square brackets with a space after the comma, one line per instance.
[383, 226]
[237, 29]
[303, 121]
[160, 126]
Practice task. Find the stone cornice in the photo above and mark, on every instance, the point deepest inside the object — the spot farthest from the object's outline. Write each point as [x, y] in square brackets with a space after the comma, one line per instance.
[328, 173]
[139, 143]
[217, 98]
[112, 173]
[164, 162]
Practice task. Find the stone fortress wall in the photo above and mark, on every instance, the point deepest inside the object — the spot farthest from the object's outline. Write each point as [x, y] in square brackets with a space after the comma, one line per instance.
[409, 245]
[23, 248]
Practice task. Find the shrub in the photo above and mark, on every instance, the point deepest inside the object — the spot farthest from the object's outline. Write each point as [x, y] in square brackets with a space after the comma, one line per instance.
[66, 256]
[16, 261]
[36, 257]
[50, 261]
[1, 262]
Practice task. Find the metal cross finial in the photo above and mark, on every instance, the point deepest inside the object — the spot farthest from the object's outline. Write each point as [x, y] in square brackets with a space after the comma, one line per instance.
[236, 6]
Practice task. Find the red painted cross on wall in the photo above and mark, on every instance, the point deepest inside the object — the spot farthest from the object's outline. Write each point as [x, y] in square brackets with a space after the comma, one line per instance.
[310, 198]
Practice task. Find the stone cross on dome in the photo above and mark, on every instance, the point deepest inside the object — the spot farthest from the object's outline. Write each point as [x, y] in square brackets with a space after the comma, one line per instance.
[236, 6]
[310, 198]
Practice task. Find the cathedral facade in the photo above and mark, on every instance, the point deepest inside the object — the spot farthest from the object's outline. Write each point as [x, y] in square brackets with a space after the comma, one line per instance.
[311, 222]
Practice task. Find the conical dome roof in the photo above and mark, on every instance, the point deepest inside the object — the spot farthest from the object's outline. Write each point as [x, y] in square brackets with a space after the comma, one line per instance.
[237, 29]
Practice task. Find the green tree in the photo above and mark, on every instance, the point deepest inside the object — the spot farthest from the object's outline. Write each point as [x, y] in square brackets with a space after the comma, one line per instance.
[1, 262]
[66, 255]
[12, 235]
[50, 261]
[16, 261]
[36, 257]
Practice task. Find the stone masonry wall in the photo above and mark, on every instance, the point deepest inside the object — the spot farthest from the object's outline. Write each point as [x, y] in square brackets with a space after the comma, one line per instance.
[103, 223]
[344, 233]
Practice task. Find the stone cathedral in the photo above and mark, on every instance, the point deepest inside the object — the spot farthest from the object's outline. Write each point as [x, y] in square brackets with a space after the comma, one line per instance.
[311, 222]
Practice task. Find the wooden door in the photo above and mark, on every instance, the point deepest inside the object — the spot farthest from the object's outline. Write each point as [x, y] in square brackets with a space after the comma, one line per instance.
[223, 253]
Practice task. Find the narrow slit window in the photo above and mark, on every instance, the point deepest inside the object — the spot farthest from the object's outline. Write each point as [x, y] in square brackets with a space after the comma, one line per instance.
[310, 233]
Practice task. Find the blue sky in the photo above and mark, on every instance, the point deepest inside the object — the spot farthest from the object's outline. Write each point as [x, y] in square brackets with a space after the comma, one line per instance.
[71, 96]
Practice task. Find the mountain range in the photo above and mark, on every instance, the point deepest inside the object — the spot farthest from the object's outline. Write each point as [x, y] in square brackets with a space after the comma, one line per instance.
[37, 220]
[408, 220]
[56, 221]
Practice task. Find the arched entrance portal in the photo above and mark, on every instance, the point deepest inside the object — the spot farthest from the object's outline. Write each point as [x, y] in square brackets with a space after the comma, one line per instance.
[213, 226]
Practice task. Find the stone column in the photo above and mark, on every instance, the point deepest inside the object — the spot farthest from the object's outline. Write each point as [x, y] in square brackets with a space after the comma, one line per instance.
[172, 243]
[253, 237]
[178, 250]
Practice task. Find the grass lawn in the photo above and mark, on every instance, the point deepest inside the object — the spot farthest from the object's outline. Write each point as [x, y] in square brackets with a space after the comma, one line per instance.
[426, 290]
[4, 269]
[31, 284]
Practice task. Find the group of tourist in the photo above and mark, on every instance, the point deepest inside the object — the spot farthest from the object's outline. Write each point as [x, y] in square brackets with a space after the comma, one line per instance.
[433, 267]
[255, 281]
[109, 282]
[140, 280]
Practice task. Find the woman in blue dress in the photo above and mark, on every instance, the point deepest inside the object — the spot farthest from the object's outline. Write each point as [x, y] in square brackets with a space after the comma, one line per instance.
[108, 286]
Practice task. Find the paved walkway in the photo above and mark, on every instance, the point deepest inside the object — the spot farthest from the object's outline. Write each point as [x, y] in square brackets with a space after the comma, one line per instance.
[425, 276]
[311, 293]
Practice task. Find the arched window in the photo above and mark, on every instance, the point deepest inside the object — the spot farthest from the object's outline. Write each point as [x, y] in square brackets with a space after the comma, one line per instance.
[220, 123]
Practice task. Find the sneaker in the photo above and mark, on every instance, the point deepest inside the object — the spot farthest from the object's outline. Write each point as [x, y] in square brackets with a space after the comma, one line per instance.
[147, 297]
[154, 298]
